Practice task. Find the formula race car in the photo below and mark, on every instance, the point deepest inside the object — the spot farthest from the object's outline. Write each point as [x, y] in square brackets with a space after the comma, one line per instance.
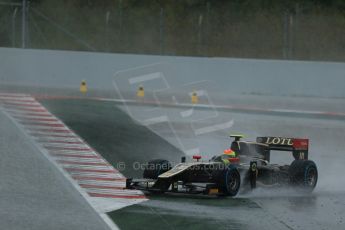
[245, 164]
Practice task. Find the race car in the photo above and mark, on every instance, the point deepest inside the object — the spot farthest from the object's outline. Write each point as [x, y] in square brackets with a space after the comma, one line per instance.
[247, 166]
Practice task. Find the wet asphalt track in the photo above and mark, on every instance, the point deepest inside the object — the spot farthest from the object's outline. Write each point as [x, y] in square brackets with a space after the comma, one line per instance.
[324, 209]
[263, 208]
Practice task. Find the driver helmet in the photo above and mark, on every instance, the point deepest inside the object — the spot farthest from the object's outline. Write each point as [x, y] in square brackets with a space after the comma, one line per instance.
[229, 152]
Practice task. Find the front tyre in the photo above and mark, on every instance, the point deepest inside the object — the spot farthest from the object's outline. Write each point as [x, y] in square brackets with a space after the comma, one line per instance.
[230, 181]
[303, 175]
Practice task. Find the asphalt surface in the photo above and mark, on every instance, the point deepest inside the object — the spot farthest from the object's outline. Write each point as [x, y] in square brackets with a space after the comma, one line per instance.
[33, 193]
[119, 139]
[263, 208]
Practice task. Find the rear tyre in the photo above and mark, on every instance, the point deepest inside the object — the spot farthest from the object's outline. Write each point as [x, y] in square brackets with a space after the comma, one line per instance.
[230, 181]
[303, 175]
[156, 167]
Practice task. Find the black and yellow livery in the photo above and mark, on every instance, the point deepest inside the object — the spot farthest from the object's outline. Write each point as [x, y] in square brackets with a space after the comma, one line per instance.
[247, 166]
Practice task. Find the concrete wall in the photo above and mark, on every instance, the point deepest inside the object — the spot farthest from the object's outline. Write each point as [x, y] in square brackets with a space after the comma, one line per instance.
[232, 76]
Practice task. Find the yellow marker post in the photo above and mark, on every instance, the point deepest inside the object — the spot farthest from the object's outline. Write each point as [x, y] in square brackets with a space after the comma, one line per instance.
[140, 92]
[195, 98]
[83, 87]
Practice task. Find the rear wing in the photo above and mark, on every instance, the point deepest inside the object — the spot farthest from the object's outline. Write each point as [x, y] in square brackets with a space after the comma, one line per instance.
[298, 146]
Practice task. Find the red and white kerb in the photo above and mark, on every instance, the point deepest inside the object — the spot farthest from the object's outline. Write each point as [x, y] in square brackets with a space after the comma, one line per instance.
[91, 172]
